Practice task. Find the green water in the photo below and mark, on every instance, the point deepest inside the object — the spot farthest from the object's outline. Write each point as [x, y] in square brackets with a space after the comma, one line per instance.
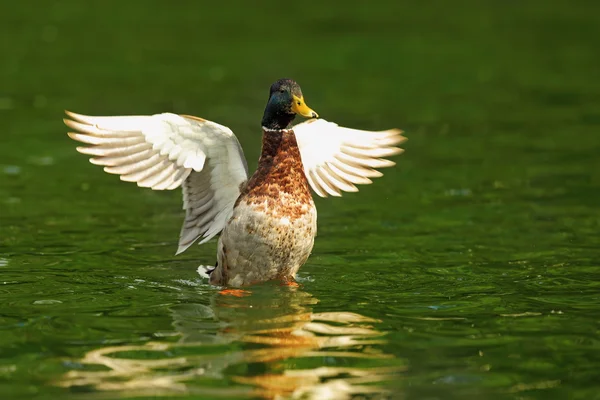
[471, 270]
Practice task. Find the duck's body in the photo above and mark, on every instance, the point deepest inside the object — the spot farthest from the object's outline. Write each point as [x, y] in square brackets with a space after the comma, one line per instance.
[267, 223]
[271, 232]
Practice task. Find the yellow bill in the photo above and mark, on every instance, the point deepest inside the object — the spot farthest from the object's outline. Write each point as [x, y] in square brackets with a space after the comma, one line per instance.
[300, 107]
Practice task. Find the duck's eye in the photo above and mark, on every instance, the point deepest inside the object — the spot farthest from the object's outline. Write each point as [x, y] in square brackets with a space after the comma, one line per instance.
[299, 103]
[281, 91]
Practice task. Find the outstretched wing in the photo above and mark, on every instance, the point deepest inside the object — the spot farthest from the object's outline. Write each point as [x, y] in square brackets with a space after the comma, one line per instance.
[165, 151]
[337, 158]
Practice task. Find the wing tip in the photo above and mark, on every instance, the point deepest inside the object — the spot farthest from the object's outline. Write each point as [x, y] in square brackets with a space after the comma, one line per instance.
[71, 124]
[386, 163]
[400, 137]
[77, 117]
[77, 137]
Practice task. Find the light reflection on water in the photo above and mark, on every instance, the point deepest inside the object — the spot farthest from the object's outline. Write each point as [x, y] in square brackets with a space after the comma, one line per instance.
[268, 345]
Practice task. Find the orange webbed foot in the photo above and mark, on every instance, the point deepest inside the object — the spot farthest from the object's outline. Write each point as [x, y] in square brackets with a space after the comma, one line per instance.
[290, 283]
[234, 292]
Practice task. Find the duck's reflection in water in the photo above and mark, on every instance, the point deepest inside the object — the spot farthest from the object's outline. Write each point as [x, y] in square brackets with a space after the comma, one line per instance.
[269, 342]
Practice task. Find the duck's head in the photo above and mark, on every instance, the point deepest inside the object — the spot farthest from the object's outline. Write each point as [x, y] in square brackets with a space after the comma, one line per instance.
[285, 101]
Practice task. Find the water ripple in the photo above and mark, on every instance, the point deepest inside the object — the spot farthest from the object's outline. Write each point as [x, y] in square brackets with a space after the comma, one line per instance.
[280, 333]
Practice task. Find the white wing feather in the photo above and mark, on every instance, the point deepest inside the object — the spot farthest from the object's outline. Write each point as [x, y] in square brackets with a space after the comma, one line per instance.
[166, 151]
[336, 159]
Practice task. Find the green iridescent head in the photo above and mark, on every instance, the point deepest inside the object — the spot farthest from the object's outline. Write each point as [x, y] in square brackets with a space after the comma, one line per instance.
[285, 101]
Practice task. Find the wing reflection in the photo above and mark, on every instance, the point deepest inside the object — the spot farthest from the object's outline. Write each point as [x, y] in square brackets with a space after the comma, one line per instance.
[269, 345]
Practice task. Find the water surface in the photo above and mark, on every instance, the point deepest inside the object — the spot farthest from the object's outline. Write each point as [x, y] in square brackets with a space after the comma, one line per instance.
[471, 270]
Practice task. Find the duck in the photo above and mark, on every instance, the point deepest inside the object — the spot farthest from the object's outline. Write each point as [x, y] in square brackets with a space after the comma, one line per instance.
[267, 222]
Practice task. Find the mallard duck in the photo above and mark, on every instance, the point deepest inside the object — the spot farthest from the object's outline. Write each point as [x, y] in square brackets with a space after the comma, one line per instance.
[267, 224]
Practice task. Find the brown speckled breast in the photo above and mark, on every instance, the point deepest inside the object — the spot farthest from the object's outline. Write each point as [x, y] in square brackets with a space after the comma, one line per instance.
[279, 171]
[274, 222]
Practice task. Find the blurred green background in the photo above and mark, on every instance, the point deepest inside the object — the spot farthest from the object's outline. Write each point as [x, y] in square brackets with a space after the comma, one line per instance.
[474, 263]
